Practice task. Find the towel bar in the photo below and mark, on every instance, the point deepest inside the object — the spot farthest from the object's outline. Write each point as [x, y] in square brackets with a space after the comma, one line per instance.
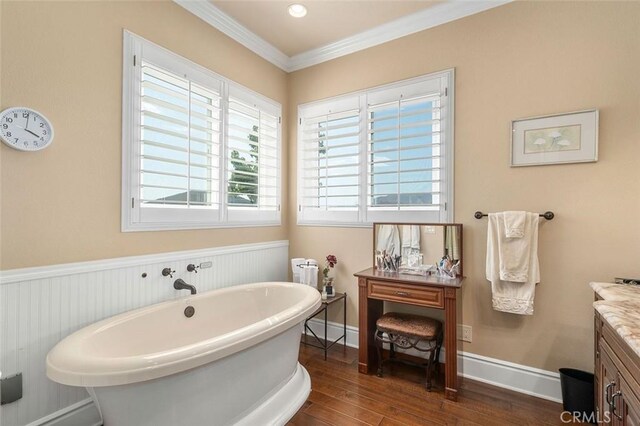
[546, 215]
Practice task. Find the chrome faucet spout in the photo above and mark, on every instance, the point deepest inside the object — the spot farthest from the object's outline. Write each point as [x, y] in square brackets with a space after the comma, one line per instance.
[179, 284]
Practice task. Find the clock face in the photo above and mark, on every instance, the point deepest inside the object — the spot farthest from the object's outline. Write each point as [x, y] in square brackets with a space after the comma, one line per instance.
[25, 129]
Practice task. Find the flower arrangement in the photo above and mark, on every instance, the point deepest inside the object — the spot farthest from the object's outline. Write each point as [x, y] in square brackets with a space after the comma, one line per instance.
[329, 263]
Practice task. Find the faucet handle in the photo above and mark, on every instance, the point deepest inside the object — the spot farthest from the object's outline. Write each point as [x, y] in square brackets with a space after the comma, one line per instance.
[168, 272]
[192, 268]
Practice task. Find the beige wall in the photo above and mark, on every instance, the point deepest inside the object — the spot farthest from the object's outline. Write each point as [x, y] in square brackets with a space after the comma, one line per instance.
[522, 59]
[65, 60]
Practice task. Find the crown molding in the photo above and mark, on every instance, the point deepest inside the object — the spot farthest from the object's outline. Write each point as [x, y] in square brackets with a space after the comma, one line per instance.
[215, 17]
[410, 24]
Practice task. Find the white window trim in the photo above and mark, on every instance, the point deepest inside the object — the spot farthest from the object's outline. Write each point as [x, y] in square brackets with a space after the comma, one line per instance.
[184, 219]
[446, 215]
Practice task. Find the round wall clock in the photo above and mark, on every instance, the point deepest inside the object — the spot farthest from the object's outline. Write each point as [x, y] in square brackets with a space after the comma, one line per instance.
[25, 129]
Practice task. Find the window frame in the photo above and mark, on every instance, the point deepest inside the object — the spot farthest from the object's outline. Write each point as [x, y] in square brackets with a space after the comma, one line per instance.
[135, 50]
[365, 217]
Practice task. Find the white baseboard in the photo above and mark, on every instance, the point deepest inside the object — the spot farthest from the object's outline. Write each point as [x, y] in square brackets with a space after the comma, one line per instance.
[508, 375]
[334, 330]
[83, 413]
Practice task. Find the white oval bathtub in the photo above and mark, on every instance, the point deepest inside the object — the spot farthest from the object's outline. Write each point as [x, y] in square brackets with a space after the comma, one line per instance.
[233, 362]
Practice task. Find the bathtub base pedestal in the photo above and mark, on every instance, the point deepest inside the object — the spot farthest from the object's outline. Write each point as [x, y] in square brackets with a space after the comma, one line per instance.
[282, 406]
[263, 384]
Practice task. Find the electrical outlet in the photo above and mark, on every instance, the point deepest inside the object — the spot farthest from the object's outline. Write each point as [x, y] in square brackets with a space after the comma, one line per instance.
[205, 265]
[464, 333]
[430, 229]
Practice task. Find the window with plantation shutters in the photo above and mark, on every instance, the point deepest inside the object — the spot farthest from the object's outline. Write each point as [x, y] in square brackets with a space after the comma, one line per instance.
[330, 162]
[198, 150]
[400, 148]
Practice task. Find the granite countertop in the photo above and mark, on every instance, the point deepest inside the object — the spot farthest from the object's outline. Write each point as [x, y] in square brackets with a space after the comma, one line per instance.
[621, 309]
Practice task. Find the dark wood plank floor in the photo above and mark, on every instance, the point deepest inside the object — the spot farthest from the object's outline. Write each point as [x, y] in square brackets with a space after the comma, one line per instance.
[342, 396]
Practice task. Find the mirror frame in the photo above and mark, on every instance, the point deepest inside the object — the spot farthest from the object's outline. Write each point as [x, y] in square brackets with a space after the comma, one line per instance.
[459, 225]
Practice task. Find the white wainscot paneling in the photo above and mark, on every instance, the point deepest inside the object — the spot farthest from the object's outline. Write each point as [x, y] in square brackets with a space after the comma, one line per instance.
[40, 306]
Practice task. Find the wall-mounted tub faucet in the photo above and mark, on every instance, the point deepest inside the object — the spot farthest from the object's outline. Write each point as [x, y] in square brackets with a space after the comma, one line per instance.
[192, 268]
[179, 284]
[168, 272]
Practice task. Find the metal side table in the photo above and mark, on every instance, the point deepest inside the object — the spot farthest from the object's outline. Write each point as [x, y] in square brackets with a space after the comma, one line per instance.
[325, 344]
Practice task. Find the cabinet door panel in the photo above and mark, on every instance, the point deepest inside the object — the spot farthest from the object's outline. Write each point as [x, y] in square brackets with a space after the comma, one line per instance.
[608, 386]
[629, 407]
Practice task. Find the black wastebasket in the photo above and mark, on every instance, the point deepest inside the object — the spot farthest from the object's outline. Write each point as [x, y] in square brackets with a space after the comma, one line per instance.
[577, 392]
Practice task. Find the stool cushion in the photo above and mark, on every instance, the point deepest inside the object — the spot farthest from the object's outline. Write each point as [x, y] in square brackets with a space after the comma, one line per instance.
[409, 325]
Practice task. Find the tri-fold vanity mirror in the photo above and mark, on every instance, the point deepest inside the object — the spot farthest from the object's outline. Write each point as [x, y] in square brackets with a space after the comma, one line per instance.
[418, 249]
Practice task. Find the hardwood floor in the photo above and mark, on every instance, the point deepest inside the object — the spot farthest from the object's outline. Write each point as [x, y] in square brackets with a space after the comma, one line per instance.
[342, 396]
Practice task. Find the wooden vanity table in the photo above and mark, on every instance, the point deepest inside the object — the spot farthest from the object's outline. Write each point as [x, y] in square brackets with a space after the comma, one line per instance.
[432, 291]
[374, 287]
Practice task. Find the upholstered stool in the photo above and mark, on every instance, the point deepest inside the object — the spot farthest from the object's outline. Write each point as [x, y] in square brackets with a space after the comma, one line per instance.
[408, 331]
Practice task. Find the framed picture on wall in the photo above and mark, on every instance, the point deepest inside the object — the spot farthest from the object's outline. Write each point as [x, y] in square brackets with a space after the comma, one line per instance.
[555, 139]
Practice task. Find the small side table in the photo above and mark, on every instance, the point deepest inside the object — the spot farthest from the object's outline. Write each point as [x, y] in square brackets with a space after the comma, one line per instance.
[326, 344]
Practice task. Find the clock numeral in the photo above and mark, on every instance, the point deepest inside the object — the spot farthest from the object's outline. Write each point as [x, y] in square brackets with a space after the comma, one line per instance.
[5, 126]
[8, 134]
[15, 115]
[44, 132]
[41, 124]
[9, 120]
[26, 144]
[17, 139]
[25, 115]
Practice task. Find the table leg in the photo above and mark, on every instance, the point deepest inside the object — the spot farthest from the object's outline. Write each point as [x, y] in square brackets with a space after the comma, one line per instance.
[344, 324]
[451, 345]
[370, 311]
[326, 337]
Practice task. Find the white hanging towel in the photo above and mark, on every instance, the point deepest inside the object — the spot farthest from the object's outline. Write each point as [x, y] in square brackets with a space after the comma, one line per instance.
[512, 261]
[410, 242]
[296, 268]
[411, 236]
[388, 239]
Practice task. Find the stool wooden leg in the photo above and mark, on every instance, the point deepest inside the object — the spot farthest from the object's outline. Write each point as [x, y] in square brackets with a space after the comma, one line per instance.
[392, 350]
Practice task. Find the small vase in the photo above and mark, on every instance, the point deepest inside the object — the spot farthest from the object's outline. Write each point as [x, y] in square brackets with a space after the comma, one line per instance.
[327, 285]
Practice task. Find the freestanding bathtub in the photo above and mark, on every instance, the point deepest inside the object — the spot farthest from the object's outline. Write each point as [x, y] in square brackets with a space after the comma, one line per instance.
[234, 361]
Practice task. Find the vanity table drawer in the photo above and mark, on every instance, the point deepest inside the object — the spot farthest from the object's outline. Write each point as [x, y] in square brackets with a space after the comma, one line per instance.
[414, 295]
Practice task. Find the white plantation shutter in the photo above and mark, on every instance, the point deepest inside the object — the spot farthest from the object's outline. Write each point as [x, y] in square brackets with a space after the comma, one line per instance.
[199, 151]
[385, 154]
[253, 159]
[180, 142]
[330, 162]
[404, 152]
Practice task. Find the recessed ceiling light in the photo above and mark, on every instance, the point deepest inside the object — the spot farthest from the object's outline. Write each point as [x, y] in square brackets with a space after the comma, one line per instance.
[297, 10]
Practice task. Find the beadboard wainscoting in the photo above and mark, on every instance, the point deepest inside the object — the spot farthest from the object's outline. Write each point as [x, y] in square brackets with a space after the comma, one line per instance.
[40, 306]
[516, 377]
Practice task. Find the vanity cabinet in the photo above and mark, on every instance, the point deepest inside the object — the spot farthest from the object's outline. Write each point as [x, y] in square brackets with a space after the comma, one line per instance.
[617, 378]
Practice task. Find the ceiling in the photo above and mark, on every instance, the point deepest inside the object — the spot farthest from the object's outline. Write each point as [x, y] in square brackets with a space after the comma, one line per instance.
[327, 21]
[331, 29]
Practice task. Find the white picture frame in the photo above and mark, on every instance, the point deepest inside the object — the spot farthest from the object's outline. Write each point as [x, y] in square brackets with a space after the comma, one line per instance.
[555, 139]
